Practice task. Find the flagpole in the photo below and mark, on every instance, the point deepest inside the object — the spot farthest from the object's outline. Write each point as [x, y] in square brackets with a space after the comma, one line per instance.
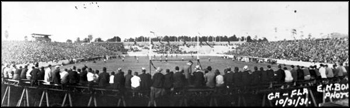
[198, 46]
[149, 52]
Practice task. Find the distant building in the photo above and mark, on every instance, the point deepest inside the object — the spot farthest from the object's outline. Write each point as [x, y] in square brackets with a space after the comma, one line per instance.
[41, 37]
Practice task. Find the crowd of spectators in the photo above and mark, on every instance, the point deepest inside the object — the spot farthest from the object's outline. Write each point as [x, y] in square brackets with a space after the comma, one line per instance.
[329, 50]
[22, 52]
[180, 79]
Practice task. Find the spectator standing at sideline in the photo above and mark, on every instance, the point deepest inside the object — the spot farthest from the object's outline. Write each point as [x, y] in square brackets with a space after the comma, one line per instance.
[179, 80]
[294, 73]
[146, 80]
[119, 80]
[168, 81]
[157, 89]
[56, 78]
[48, 76]
[329, 72]
[64, 76]
[128, 79]
[73, 76]
[198, 77]
[306, 73]
[111, 78]
[210, 78]
[135, 81]
[24, 72]
[219, 79]
[300, 73]
[322, 71]
[103, 78]
[34, 75]
[16, 75]
[83, 76]
[41, 74]
[228, 77]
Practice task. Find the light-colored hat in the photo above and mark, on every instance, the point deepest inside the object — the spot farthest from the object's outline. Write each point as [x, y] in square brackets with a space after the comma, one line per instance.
[245, 67]
[159, 69]
[119, 69]
[143, 68]
[198, 67]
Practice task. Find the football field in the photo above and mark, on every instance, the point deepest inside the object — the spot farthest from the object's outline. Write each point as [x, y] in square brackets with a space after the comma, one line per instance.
[143, 61]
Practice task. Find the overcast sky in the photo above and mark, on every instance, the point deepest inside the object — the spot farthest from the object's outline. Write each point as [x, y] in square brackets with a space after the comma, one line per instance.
[130, 19]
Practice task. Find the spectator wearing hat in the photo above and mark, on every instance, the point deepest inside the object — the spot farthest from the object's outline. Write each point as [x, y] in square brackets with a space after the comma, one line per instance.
[237, 78]
[294, 73]
[83, 76]
[341, 71]
[312, 72]
[198, 77]
[119, 80]
[64, 76]
[41, 74]
[219, 79]
[34, 75]
[48, 76]
[246, 78]
[228, 78]
[306, 71]
[28, 72]
[56, 78]
[16, 75]
[146, 80]
[322, 71]
[97, 75]
[24, 72]
[210, 78]
[168, 81]
[279, 75]
[179, 80]
[300, 73]
[318, 74]
[329, 72]
[288, 75]
[187, 72]
[254, 76]
[135, 81]
[103, 78]
[157, 88]
[128, 79]
[111, 78]
[73, 76]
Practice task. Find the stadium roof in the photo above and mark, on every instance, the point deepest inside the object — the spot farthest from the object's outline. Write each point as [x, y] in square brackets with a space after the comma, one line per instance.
[41, 34]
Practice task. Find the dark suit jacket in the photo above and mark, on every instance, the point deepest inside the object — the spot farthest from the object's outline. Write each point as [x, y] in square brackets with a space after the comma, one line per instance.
[83, 77]
[300, 74]
[24, 73]
[270, 75]
[228, 79]
[280, 76]
[73, 77]
[146, 81]
[128, 80]
[158, 80]
[103, 79]
[34, 74]
[237, 79]
[264, 77]
[41, 74]
[198, 79]
[119, 80]
[56, 77]
[168, 81]
[17, 74]
[179, 80]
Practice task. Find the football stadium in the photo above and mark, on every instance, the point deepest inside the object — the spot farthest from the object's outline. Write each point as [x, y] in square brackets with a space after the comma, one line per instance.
[160, 70]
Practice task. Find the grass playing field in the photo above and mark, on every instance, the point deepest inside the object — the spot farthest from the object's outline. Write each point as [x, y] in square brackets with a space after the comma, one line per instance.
[132, 64]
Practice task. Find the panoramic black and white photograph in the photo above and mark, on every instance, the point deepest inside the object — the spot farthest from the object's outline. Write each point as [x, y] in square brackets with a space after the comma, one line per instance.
[183, 54]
